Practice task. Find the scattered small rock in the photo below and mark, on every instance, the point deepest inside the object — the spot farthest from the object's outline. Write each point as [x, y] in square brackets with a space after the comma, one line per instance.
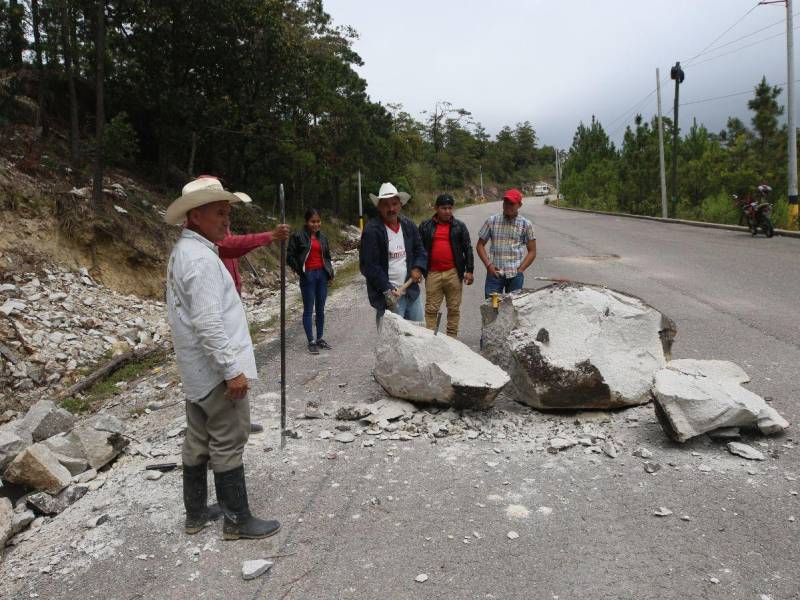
[255, 568]
[421, 578]
[662, 511]
[745, 451]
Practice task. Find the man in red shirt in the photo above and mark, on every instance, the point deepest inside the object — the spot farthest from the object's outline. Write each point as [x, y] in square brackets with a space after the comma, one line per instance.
[450, 261]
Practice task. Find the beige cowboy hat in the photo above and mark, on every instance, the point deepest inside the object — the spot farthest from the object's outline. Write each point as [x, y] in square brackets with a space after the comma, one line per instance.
[200, 191]
[389, 191]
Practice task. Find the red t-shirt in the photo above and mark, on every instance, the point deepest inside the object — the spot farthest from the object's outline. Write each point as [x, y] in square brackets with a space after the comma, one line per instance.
[441, 251]
[314, 260]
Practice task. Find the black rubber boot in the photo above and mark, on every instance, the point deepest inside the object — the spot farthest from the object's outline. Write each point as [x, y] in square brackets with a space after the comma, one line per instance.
[195, 498]
[239, 521]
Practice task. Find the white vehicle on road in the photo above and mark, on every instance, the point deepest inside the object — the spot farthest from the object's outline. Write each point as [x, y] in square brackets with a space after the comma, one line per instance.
[541, 189]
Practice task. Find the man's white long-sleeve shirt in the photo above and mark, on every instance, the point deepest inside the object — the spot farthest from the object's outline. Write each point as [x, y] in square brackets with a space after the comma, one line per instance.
[209, 327]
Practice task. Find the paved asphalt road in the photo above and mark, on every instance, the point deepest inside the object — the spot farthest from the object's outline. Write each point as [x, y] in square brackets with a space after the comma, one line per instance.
[363, 522]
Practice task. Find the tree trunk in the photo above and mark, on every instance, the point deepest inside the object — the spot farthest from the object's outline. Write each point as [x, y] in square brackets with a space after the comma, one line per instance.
[74, 129]
[192, 152]
[37, 45]
[99, 158]
[16, 14]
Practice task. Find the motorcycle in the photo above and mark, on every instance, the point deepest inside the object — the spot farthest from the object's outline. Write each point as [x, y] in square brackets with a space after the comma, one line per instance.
[756, 214]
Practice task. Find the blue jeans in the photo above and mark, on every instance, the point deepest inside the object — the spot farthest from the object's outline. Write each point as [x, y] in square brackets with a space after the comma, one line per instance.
[409, 310]
[503, 285]
[314, 288]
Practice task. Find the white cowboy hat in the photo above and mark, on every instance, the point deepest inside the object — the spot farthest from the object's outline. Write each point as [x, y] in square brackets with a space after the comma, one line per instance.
[200, 191]
[389, 191]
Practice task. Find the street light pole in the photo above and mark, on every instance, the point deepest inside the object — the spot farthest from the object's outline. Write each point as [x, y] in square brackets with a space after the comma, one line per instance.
[792, 171]
[677, 74]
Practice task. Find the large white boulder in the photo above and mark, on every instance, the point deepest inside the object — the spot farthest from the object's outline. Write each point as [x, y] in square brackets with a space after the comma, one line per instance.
[577, 346]
[696, 396]
[414, 364]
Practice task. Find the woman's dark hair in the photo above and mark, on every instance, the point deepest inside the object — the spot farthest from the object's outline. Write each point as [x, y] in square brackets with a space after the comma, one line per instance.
[310, 213]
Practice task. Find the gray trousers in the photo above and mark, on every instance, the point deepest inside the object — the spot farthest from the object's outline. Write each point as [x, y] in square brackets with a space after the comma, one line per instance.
[217, 429]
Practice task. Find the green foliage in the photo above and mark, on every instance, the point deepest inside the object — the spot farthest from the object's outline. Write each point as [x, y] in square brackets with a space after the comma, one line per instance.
[121, 141]
[711, 167]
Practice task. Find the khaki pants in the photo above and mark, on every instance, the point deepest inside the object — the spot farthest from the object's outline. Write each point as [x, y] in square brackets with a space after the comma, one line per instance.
[216, 431]
[445, 284]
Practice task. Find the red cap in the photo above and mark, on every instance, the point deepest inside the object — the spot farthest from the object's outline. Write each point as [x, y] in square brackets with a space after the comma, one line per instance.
[513, 195]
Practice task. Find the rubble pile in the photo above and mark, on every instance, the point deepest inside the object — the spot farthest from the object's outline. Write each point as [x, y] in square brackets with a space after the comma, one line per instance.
[57, 323]
[53, 458]
[577, 346]
[413, 363]
[392, 420]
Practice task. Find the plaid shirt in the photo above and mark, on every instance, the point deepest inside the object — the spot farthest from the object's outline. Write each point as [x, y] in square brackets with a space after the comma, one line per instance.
[509, 242]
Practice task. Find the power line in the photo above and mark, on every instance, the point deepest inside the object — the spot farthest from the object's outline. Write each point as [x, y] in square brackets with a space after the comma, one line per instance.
[721, 35]
[635, 110]
[731, 95]
[631, 109]
[747, 35]
[772, 37]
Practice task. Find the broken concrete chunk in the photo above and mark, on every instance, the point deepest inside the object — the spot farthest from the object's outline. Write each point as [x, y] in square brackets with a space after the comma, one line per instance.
[11, 444]
[254, 568]
[696, 396]
[66, 444]
[557, 443]
[74, 465]
[6, 521]
[745, 451]
[108, 423]
[353, 412]
[20, 520]
[38, 467]
[312, 410]
[601, 348]
[412, 363]
[45, 419]
[73, 493]
[45, 504]
[99, 447]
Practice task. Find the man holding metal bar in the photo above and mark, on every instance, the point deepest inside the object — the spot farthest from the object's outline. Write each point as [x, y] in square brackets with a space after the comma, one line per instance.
[215, 358]
[392, 258]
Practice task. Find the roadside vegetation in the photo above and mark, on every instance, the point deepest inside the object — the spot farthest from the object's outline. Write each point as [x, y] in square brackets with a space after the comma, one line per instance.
[711, 166]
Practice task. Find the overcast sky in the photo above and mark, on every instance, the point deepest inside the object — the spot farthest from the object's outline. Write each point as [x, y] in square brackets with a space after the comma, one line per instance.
[557, 62]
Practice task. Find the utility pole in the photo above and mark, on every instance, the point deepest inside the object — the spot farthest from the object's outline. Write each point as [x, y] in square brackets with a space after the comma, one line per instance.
[558, 174]
[480, 168]
[792, 171]
[677, 74]
[664, 211]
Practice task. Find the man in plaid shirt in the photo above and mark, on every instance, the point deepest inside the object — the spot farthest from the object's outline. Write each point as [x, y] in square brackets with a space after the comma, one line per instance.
[513, 246]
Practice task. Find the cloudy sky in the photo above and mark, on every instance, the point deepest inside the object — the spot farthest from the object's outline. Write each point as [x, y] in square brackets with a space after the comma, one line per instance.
[557, 62]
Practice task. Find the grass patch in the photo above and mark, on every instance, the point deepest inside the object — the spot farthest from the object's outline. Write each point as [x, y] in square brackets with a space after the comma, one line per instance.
[76, 406]
[255, 327]
[105, 388]
[344, 275]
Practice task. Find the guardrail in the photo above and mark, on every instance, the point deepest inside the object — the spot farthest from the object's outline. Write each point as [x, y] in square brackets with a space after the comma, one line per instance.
[781, 232]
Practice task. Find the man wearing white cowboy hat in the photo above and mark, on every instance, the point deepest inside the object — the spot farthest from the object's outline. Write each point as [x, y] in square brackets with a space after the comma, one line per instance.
[392, 253]
[215, 359]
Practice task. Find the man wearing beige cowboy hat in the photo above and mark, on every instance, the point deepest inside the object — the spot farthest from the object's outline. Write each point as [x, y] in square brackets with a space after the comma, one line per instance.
[215, 359]
[392, 254]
